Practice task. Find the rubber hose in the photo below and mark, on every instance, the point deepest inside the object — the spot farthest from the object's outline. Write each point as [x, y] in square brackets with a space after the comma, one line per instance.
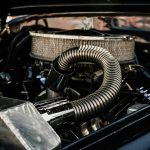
[91, 105]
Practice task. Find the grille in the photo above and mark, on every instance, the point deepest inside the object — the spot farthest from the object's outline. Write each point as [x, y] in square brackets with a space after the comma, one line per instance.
[48, 46]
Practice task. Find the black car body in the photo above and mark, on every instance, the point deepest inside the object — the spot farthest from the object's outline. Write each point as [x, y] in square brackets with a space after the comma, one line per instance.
[118, 130]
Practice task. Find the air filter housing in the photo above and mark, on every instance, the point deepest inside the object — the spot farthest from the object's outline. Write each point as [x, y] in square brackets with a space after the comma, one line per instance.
[48, 46]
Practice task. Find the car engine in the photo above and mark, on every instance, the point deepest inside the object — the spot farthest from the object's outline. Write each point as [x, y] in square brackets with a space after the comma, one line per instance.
[79, 81]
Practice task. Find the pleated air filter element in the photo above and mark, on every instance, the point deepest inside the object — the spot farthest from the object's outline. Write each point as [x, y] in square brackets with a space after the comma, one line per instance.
[48, 46]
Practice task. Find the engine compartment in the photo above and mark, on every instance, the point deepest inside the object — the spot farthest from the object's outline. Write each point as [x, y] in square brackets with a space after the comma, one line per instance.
[60, 70]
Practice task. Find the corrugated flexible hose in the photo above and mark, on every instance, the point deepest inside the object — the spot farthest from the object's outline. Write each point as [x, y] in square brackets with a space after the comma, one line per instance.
[91, 105]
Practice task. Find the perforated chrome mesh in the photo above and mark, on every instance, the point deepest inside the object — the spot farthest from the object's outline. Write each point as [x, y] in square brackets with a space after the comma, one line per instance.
[50, 46]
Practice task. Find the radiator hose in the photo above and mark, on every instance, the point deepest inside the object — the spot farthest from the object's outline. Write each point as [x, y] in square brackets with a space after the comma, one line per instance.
[91, 105]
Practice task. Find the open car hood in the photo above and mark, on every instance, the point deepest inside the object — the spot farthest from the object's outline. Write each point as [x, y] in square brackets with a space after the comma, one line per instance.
[122, 7]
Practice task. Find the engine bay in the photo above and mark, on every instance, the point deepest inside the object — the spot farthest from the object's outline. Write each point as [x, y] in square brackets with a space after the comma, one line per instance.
[79, 80]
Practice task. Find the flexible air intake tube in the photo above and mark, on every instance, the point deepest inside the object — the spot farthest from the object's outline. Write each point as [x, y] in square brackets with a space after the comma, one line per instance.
[98, 101]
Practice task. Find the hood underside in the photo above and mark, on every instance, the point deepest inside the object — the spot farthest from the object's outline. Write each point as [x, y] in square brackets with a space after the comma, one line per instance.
[107, 7]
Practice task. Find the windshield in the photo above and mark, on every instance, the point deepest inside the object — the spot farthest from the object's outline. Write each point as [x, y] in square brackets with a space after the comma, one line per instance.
[139, 22]
[84, 22]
